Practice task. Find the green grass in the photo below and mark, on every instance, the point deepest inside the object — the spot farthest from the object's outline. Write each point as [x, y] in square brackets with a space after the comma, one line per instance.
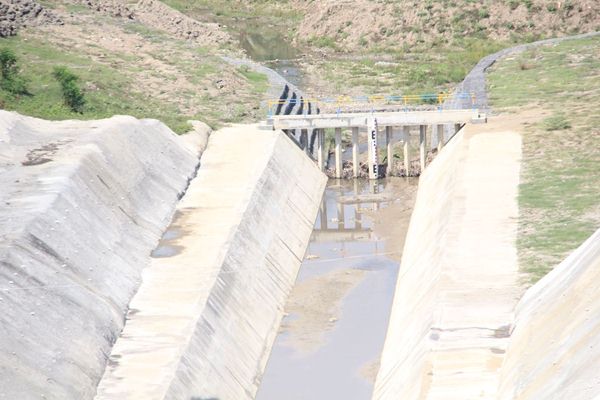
[430, 70]
[259, 82]
[559, 195]
[107, 91]
[113, 85]
[274, 10]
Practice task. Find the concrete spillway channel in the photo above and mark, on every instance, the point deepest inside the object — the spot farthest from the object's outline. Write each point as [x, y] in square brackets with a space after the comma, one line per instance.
[86, 202]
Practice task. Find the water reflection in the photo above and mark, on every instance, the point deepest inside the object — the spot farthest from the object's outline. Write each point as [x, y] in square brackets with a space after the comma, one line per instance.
[347, 279]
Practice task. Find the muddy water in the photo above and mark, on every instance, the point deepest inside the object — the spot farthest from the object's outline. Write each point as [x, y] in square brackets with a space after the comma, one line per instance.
[331, 338]
[269, 45]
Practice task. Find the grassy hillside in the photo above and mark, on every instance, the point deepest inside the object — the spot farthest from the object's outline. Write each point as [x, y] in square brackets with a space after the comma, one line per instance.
[383, 46]
[127, 67]
[558, 88]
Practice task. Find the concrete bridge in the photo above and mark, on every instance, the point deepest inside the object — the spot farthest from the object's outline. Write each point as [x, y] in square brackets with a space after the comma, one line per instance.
[310, 129]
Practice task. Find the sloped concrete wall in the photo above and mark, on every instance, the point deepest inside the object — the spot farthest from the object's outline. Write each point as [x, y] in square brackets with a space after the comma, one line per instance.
[82, 205]
[458, 280]
[206, 317]
[554, 350]
[405, 361]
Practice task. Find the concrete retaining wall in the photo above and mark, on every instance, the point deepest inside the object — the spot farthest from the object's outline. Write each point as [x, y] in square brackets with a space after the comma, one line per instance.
[554, 351]
[82, 205]
[405, 362]
[458, 281]
[207, 315]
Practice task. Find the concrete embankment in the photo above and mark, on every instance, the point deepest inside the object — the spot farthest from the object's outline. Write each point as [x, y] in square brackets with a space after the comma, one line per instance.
[204, 320]
[82, 206]
[554, 351]
[457, 286]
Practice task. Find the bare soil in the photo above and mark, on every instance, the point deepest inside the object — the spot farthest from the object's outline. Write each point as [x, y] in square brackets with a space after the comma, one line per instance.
[160, 16]
[315, 305]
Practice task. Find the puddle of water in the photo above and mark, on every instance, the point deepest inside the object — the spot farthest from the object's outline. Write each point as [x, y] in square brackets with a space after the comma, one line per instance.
[343, 242]
[165, 248]
[269, 45]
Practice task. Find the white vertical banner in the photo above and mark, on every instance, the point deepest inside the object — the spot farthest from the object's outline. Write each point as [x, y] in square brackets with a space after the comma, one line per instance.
[372, 151]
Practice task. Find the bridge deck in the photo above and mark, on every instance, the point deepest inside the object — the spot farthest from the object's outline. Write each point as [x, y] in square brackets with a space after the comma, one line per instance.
[359, 119]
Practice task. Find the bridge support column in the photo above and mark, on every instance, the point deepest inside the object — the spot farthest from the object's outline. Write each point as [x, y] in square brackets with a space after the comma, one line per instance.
[440, 137]
[373, 149]
[422, 147]
[406, 132]
[338, 153]
[390, 153]
[355, 165]
[321, 149]
[307, 134]
[456, 128]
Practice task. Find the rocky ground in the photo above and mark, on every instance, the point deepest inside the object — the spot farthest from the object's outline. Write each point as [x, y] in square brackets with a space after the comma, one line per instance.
[160, 16]
[359, 24]
[16, 14]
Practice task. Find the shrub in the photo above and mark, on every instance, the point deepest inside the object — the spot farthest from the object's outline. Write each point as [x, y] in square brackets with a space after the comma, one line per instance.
[556, 123]
[10, 80]
[513, 4]
[72, 94]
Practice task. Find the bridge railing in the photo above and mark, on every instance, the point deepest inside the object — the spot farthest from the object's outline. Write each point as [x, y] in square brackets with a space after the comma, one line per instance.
[372, 102]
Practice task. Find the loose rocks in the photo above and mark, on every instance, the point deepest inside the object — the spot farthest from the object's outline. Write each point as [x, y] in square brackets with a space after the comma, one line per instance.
[16, 14]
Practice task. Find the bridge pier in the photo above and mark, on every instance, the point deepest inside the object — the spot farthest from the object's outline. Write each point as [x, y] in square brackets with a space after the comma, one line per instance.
[390, 154]
[338, 153]
[307, 134]
[373, 149]
[440, 137]
[406, 132]
[355, 165]
[422, 146]
[321, 149]
[457, 128]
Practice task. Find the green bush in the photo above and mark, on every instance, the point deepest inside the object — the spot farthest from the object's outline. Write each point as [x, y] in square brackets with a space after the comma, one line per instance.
[72, 94]
[9, 69]
[556, 123]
